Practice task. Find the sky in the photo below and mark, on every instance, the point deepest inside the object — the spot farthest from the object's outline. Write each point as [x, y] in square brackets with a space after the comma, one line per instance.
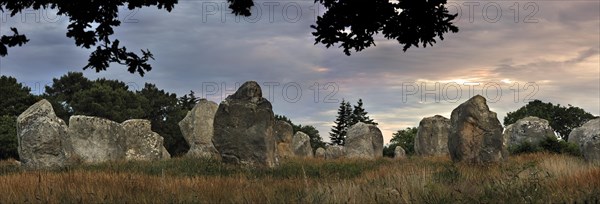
[510, 52]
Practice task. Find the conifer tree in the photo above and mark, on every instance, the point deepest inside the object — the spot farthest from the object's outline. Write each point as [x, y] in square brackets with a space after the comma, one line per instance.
[342, 123]
[360, 115]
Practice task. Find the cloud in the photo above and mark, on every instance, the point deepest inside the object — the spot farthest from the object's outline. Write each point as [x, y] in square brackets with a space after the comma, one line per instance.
[199, 44]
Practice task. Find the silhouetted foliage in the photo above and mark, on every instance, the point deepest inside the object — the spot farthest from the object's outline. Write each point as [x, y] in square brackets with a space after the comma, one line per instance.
[360, 115]
[82, 14]
[562, 119]
[315, 139]
[188, 101]
[352, 23]
[337, 136]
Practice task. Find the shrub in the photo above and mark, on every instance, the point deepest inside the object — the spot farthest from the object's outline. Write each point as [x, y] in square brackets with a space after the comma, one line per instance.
[550, 144]
[525, 147]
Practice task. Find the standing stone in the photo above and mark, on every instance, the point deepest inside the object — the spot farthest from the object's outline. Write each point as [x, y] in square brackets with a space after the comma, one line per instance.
[399, 153]
[335, 152]
[244, 128]
[141, 142]
[588, 138]
[530, 130]
[283, 135]
[95, 139]
[364, 141]
[197, 129]
[41, 136]
[476, 133]
[301, 145]
[320, 153]
[432, 136]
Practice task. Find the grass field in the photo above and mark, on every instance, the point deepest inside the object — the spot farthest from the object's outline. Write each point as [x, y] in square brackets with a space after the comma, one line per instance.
[529, 178]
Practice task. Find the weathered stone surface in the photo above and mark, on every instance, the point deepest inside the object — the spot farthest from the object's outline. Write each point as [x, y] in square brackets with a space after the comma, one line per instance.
[399, 153]
[432, 136]
[141, 143]
[283, 135]
[364, 141]
[96, 139]
[301, 145]
[320, 153]
[243, 128]
[197, 129]
[284, 132]
[588, 138]
[335, 152]
[45, 141]
[476, 133]
[41, 137]
[529, 129]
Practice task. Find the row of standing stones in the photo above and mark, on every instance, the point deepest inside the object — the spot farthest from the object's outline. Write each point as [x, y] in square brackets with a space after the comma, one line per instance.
[473, 133]
[242, 130]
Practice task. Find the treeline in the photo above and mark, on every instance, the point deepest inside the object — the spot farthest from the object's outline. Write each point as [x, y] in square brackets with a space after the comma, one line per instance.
[74, 94]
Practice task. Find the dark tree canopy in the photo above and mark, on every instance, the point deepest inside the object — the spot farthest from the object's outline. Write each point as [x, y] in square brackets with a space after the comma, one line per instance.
[349, 23]
[562, 119]
[14, 99]
[352, 23]
[73, 94]
[404, 138]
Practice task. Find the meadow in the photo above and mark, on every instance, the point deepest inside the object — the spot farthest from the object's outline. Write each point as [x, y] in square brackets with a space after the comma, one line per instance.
[526, 178]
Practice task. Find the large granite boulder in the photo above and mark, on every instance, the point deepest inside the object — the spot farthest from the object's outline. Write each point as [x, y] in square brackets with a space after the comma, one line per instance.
[95, 139]
[530, 130]
[45, 141]
[41, 137]
[301, 145]
[335, 152]
[476, 133]
[320, 153]
[197, 129]
[283, 135]
[364, 141]
[399, 153]
[588, 138]
[432, 136]
[243, 125]
[141, 143]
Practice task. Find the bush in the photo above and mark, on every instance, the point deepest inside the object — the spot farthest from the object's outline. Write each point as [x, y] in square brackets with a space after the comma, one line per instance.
[550, 144]
[525, 147]
[388, 151]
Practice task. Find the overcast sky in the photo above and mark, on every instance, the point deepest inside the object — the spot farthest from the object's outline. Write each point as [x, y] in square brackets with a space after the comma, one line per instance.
[508, 51]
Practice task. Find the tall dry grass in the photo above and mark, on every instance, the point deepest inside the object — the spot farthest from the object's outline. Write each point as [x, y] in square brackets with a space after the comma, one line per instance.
[531, 178]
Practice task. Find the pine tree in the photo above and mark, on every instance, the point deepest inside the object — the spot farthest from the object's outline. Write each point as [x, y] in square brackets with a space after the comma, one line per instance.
[338, 132]
[360, 115]
[188, 101]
